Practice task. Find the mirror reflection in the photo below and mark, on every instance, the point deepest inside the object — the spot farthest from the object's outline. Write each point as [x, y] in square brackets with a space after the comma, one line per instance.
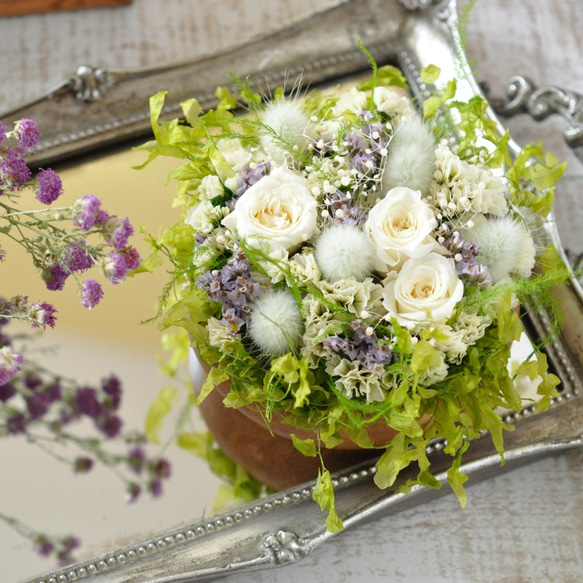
[88, 345]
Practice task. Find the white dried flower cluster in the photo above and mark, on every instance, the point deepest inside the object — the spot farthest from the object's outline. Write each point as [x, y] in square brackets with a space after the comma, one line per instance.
[461, 188]
[465, 332]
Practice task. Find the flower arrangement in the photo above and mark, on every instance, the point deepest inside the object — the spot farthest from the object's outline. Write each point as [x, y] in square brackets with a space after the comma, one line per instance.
[354, 258]
[36, 404]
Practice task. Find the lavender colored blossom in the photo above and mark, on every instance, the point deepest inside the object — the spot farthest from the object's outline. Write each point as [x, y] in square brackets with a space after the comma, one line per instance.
[42, 315]
[76, 257]
[32, 380]
[7, 391]
[110, 425]
[114, 267]
[155, 488]
[111, 386]
[91, 293]
[87, 213]
[55, 277]
[16, 423]
[53, 391]
[88, 403]
[232, 287]
[341, 209]
[362, 345]
[82, 465]
[131, 257]
[49, 186]
[27, 133]
[13, 170]
[250, 175]
[10, 364]
[117, 231]
[2, 132]
[133, 492]
[137, 460]
[37, 405]
[466, 257]
[161, 468]
[200, 238]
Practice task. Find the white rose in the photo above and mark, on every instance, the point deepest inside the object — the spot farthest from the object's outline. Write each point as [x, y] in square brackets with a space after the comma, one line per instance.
[399, 226]
[278, 208]
[427, 289]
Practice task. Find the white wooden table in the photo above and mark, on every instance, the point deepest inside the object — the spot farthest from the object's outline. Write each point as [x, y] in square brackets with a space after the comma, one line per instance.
[524, 526]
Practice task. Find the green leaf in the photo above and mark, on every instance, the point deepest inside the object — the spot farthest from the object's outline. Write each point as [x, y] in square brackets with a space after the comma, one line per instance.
[432, 104]
[197, 444]
[509, 326]
[158, 411]
[397, 456]
[306, 447]
[323, 494]
[430, 74]
[425, 357]
[191, 109]
[213, 379]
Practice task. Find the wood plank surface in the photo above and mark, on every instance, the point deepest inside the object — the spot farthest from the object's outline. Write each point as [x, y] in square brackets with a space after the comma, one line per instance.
[24, 7]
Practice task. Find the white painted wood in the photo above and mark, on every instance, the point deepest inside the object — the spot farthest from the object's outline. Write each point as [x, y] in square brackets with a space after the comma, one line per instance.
[526, 526]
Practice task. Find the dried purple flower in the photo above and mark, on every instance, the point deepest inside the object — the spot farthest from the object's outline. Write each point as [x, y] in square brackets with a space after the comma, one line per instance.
[251, 174]
[137, 460]
[49, 186]
[76, 257]
[91, 293]
[363, 345]
[42, 315]
[133, 492]
[16, 423]
[87, 212]
[117, 231]
[13, 170]
[82, 465]
[111, 386]
[7, 391]
[465, 255]
[233, 287]
[88, 403]
[37, 405]
[27, 133]
[110, 425]
[10, 364]
[55, 277]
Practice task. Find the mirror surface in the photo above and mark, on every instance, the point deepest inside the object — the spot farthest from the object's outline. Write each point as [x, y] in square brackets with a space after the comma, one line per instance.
[109, 339]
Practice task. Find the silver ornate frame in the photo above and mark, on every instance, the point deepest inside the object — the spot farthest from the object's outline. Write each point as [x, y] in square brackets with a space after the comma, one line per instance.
[98, 108]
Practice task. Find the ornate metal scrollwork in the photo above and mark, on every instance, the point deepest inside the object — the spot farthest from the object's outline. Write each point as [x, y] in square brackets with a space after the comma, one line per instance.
[523, 96]
[286, 547]
[89, 83]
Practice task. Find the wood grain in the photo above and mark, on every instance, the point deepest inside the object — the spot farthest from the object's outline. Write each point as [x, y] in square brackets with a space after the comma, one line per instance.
[23, 7]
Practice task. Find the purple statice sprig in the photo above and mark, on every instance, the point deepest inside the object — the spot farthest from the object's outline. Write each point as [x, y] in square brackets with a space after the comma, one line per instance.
[466, 256]
[233, 287]
[341, 208]
[59, 547]
[51, 412]
[64, 241]
[361, 343]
